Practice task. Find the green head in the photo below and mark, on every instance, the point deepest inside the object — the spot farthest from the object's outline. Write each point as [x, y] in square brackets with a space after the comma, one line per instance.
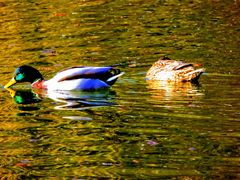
[24, 74]
[24, 96]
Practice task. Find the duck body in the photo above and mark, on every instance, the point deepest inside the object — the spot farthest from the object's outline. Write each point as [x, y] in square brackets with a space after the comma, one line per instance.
[166, 69]
[74, 78]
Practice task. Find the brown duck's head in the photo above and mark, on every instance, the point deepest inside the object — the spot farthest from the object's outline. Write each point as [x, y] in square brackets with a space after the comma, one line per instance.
[164, 58]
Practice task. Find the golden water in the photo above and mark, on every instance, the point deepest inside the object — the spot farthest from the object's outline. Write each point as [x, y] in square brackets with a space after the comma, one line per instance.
[138, 129]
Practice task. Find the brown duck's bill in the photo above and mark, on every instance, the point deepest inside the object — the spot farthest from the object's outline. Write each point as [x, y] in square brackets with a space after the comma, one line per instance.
[10, 83]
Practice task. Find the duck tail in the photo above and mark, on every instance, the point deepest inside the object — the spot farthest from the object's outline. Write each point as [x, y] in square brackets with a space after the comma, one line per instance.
[112, 79]
[193, 76]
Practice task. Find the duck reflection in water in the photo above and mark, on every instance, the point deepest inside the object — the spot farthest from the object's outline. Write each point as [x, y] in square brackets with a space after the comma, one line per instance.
[80, 100]
[164, 90]
[70, 100]
[24, 96]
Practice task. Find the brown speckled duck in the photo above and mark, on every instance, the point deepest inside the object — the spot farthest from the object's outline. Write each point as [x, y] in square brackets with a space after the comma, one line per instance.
[166, 69]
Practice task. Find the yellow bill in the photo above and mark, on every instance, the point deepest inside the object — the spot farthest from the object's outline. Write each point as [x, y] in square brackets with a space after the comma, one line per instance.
[10, 83]
[12, 92]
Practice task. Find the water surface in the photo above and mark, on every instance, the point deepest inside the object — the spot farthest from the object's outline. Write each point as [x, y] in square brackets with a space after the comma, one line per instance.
[137, 129]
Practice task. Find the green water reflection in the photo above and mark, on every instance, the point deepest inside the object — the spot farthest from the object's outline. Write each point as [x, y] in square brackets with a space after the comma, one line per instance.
[138, 129]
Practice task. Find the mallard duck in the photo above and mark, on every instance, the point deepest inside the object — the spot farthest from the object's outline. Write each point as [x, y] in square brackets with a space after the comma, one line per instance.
[166, 69]
[74, 78]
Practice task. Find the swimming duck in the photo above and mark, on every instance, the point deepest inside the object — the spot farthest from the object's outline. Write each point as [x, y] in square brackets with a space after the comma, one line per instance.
[166, 69]
[74, 78]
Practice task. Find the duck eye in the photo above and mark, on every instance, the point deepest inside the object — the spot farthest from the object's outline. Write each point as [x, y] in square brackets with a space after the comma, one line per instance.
[19, 77]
